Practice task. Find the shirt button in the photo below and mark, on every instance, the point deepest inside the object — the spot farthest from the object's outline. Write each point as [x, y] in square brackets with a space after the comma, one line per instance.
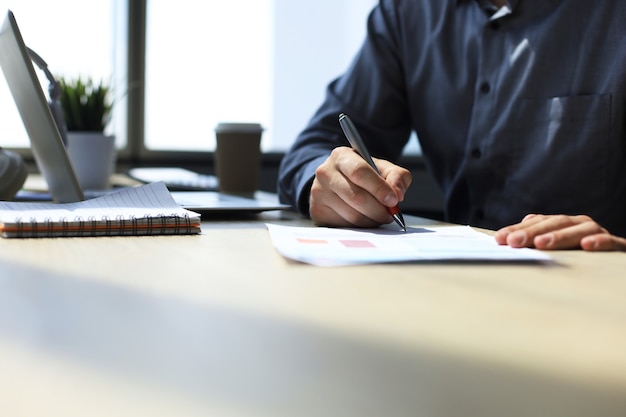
[485, 88]
[476, 153]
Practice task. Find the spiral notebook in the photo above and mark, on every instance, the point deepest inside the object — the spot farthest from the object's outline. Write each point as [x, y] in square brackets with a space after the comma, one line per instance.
[137, 211]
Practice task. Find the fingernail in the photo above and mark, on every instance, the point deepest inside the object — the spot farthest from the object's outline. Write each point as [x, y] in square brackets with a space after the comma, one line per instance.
[517, 238]
[590, 243]
[390, 200]
[544, 241]
[502, 235]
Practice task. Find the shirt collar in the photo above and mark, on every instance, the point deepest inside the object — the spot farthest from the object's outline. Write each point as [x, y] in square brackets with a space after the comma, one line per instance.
[493, 11]
[490, 7]
[510, 3]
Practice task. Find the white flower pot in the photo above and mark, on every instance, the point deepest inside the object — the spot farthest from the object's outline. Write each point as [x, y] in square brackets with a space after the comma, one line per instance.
[93, 156]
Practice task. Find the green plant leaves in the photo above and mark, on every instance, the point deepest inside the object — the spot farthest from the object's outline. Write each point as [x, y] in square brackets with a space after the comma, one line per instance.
[86, 105]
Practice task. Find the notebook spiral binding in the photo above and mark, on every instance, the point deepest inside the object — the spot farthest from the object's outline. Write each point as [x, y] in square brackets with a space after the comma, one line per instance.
[162, 224]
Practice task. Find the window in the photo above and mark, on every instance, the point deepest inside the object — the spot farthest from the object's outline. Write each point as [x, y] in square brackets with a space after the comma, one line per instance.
[206, 61]
[264, 61]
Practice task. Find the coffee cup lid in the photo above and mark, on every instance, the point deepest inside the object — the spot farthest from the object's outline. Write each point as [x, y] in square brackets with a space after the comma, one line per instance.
[238, 127]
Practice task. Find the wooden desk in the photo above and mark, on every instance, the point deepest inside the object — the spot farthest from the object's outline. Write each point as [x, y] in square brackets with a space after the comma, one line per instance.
[220, 325]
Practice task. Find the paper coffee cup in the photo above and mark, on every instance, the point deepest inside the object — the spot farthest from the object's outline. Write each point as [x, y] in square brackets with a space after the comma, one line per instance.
[238, 156]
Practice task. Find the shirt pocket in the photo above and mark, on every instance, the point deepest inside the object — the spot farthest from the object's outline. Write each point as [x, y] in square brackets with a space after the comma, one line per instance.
[561, 151]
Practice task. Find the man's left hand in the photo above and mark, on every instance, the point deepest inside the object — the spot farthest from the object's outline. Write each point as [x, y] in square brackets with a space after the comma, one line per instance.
[559, 232]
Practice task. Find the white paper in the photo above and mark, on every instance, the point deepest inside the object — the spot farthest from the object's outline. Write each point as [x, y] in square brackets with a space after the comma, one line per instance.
[324, 246]
[138, 202]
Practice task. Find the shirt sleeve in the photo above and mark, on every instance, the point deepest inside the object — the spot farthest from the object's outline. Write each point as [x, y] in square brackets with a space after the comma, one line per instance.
[371, 92]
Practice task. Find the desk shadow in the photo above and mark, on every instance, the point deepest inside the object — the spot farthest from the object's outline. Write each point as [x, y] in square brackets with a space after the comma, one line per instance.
[269, 366]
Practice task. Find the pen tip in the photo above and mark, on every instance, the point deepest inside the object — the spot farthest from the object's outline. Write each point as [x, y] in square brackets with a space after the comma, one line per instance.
[400, 220]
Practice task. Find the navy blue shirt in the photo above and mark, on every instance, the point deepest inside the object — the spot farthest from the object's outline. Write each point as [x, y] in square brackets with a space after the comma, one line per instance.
[521, 111]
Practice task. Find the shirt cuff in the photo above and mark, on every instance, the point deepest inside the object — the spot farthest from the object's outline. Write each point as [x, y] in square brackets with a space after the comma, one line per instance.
[307, 175]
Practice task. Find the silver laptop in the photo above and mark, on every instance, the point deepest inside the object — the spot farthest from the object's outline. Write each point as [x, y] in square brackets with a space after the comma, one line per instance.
[49, 150]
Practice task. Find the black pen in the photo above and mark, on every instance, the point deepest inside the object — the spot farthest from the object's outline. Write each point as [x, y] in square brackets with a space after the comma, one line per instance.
[357, 144]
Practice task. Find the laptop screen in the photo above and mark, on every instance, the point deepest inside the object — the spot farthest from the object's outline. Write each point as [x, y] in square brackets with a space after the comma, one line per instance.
[45, 139]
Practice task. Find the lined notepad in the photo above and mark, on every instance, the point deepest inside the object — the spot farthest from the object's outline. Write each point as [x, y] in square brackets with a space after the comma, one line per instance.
[144, 210]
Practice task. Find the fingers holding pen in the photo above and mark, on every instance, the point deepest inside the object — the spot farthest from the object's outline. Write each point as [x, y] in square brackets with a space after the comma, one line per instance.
[329, 209]
[346, 191]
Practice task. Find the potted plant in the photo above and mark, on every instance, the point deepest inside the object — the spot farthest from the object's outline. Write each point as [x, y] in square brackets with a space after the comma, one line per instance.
[87, 108]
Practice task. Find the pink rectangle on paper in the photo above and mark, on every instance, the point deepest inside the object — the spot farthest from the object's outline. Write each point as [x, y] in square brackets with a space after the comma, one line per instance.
[357, 243]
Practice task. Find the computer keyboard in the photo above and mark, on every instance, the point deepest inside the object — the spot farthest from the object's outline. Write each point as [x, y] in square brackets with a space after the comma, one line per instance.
[176, 179]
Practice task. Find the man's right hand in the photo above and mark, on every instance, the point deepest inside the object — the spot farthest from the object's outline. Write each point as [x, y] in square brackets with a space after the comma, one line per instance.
[347, 192]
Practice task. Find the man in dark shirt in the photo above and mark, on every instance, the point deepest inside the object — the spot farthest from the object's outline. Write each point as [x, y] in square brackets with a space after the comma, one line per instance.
[519, 107]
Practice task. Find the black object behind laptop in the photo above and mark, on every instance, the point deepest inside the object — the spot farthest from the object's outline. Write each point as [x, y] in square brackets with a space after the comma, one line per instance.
[49, 150]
